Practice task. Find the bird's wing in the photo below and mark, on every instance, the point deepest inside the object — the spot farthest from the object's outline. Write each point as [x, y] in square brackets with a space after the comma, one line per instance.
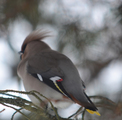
[58, 72]
[44, 67]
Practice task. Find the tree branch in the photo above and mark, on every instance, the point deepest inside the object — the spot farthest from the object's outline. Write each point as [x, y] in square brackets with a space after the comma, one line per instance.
[17, 103]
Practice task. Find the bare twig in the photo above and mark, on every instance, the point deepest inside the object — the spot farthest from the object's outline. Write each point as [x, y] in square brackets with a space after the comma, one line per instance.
[28, 105]
[16, 110]
[49, 102]
[103, 98]
[24, 103]
[77, 112]
[83, 114]
[2, 110]
[12, 117]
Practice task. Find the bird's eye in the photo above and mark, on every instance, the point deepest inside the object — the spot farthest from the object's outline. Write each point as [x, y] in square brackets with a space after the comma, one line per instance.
[21, 53]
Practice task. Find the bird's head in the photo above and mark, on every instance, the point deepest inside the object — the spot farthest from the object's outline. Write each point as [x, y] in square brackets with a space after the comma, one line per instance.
[34, 42]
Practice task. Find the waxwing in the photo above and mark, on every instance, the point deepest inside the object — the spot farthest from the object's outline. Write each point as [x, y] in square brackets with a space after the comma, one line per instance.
[52, 74]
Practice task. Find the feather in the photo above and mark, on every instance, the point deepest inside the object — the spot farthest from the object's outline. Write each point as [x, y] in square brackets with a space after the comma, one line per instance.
[35, 36]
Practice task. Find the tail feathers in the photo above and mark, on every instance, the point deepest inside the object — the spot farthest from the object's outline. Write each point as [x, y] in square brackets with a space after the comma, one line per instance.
[87, 103]
[92, 112]
[92, 108]
[91, 105]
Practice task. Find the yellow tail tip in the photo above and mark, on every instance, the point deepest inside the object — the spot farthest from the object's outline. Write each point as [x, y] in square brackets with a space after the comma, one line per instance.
[92, 112]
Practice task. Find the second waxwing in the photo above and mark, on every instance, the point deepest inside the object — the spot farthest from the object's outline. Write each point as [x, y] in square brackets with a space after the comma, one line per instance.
[52, 74]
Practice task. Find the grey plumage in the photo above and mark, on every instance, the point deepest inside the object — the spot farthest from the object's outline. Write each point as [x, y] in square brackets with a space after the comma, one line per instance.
[39, 58]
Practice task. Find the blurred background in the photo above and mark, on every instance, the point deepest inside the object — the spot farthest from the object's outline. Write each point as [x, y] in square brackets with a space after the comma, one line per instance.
[89, 32]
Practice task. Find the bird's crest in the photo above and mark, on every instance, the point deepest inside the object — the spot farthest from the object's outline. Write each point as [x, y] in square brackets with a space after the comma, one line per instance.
[35, 35]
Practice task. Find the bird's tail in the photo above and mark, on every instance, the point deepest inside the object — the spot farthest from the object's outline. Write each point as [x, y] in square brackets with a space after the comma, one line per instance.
[91, 108]
[86, 102]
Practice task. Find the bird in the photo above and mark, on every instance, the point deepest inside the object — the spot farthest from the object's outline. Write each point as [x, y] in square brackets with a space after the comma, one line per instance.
[52, 74]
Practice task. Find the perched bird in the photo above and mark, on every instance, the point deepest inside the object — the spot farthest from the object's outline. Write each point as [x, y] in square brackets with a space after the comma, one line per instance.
[52, 74]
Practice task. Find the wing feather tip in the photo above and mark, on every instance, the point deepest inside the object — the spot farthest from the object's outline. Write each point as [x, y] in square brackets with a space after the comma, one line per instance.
[93, 112]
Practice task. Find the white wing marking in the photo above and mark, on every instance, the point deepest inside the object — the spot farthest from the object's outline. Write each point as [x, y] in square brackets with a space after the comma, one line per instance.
[40, 77]
[54, 79]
